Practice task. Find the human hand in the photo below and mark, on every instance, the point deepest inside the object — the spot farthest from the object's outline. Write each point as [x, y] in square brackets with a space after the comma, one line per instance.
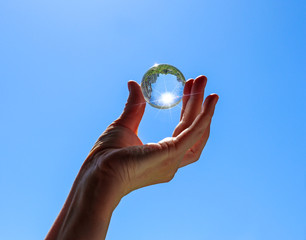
[122, 156]
[120, 163]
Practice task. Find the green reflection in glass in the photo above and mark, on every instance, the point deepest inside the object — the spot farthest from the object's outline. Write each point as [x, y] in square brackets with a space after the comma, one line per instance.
[162, 86]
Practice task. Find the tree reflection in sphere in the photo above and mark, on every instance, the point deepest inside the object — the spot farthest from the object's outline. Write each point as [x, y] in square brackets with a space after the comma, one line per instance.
[162, 86]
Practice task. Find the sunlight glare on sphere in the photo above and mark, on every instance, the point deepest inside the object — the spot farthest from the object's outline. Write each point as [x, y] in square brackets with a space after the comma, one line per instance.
[167, 98]
[162, 86]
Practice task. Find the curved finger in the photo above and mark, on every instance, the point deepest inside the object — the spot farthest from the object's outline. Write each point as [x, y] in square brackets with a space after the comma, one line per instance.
[187, 138]
[186, 95]
[194, 104]
[191, 104]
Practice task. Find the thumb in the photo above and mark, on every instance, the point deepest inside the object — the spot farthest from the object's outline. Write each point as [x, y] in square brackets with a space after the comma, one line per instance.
[134, 108]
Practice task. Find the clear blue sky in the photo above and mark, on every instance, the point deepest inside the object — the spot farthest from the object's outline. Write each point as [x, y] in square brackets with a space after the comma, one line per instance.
[64, 67]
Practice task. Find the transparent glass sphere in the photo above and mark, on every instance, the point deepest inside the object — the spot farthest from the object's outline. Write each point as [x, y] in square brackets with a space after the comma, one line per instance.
[162, 86]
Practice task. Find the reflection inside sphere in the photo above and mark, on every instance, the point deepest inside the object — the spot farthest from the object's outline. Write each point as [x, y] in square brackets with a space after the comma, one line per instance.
[162, 86]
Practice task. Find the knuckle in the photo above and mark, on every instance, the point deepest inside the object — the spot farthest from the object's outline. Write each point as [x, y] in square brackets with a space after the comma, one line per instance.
[169, 177]
[198, 155]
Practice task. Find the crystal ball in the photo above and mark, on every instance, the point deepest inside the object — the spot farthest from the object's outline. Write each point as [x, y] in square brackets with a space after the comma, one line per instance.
[162, 86]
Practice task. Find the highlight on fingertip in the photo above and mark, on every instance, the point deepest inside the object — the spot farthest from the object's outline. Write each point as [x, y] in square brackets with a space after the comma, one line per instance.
[217, 96]
[201, 76]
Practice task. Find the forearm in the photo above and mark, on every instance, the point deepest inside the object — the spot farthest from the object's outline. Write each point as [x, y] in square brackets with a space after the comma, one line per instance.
[53, 232]
[88, 209]
[83, 222]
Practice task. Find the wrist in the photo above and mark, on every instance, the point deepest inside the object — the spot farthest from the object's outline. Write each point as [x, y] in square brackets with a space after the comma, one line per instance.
[94, 198]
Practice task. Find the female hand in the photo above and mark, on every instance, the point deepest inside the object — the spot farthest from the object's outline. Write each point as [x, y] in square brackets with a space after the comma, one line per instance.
[120, 163]
[121, 154]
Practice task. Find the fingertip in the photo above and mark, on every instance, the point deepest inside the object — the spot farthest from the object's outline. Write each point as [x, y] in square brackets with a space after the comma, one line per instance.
[188, 86]
[199, 84]
[210, 102]
[215, 97]
[202, 77]
[132, 84]
[135, 88]
[189, 81]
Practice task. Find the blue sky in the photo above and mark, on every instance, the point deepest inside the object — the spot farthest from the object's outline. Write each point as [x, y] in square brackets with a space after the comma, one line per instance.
[64, 67]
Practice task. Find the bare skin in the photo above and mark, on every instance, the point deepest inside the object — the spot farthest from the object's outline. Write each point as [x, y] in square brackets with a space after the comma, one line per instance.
[120, 163]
